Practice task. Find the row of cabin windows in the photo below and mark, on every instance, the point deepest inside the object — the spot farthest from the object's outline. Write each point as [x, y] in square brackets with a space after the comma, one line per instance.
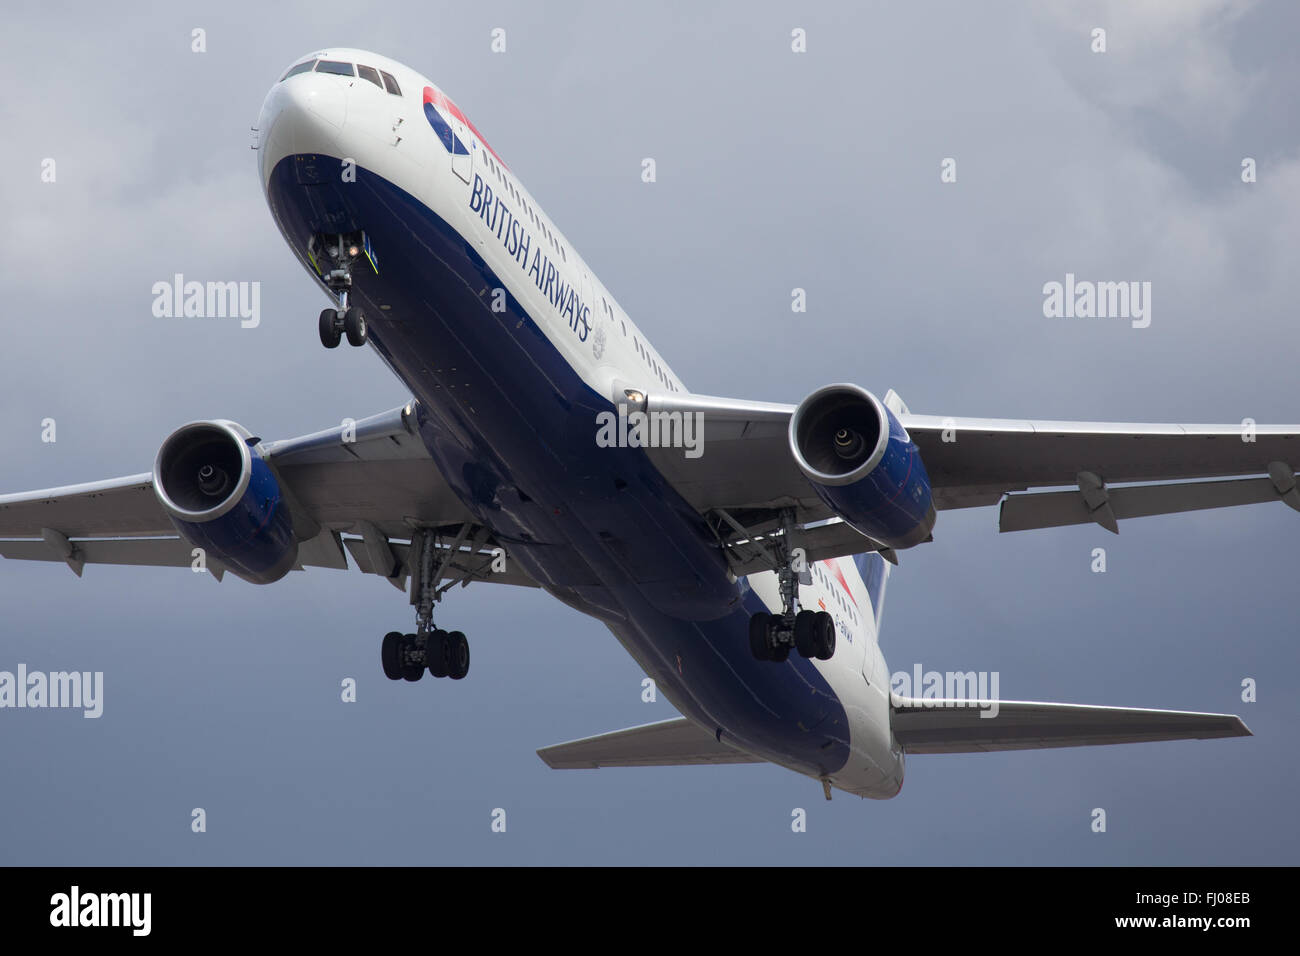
[380, 78]
[654, 365]
[836, 594]
[509, 186]
[504, 180]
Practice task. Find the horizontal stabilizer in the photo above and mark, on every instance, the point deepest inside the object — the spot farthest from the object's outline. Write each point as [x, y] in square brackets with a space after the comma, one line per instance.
[962, 726]
[668, 743]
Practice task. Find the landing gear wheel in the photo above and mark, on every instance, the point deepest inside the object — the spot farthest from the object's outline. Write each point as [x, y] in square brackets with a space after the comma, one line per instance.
[330, 336]
[780, 654]
[354, 324]
[411, 672]
[435, 653]
[758, 626]
[824, 636]
[805, 626]
[457, 655]
[390, 653]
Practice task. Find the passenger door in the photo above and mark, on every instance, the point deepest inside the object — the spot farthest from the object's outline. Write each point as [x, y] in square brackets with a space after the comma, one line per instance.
[462, 155]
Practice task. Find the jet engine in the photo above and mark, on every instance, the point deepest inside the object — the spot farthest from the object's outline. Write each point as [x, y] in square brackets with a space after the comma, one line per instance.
[223, 497]
[863, 464]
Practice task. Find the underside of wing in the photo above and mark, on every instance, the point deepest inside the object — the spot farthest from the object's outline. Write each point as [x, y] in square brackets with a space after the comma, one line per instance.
[366, 488]
[1113, 470]
[742, 475]
[668, 743]
[970, 726]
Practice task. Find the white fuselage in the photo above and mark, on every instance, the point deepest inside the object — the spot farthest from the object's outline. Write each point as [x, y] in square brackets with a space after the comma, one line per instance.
[388, 134]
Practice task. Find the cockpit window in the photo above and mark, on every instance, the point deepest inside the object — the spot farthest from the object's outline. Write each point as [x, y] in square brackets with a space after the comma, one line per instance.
[390, 84]
[371, 74]
[334, 66]
[302, 67]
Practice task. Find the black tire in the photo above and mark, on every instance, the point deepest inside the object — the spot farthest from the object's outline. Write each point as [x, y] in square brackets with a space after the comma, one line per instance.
[436, 653]
[780, 654]
[805, 627]
[824, 632]
[411, 672]
[390, 653]
[329, 333]
[354, 324]
[758, 625]
[457, 655]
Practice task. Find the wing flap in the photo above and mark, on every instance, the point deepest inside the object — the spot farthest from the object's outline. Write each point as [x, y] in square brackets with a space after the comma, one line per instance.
[1055, 509]
[466, 565]
[962, 726]
[669, 743]
[141, 552]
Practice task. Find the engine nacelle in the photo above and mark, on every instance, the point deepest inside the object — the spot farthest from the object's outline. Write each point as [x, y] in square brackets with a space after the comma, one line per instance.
[223, 497]
[863, 464]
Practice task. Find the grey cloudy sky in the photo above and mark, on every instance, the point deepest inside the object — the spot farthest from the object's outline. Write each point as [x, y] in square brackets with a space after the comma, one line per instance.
[775, 171]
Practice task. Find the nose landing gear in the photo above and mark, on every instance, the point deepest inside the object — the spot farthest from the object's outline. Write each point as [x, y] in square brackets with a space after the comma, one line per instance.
[339, 252]
[335, 323]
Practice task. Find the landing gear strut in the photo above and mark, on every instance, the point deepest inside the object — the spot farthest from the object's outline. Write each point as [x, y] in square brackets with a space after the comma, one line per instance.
[339, 252]
[443, 653]
[773, 636]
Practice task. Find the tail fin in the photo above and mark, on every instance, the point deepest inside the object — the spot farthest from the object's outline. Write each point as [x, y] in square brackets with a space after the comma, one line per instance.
[874, 570]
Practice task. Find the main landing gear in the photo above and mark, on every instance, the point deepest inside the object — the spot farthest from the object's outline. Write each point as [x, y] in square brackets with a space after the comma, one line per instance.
[773, 636]
[443, 653]
[339, 252]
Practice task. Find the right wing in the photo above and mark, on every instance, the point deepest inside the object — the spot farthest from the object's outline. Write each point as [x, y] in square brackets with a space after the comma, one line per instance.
[960, 726]
[669, 743]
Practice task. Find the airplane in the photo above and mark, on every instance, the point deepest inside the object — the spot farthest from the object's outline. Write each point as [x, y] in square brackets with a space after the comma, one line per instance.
[738, 550]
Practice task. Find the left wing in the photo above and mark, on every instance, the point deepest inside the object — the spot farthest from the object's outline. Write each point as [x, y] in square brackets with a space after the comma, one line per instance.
[372, 481]
[1113, 471]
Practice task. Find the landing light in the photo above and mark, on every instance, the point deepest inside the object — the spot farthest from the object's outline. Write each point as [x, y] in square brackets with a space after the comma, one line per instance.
[634, 396]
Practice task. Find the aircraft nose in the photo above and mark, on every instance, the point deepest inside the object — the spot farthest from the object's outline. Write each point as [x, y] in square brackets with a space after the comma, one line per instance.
[302, 114]
[317, 98]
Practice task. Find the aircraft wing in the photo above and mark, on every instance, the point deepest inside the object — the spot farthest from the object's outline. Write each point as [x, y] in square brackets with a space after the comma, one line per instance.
[669, 743]
[955, 726]
[746, 472]
[373, 483]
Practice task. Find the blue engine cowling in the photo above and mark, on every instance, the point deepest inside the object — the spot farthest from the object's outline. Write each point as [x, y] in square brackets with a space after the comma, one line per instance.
[223, 497]
[863, 464]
